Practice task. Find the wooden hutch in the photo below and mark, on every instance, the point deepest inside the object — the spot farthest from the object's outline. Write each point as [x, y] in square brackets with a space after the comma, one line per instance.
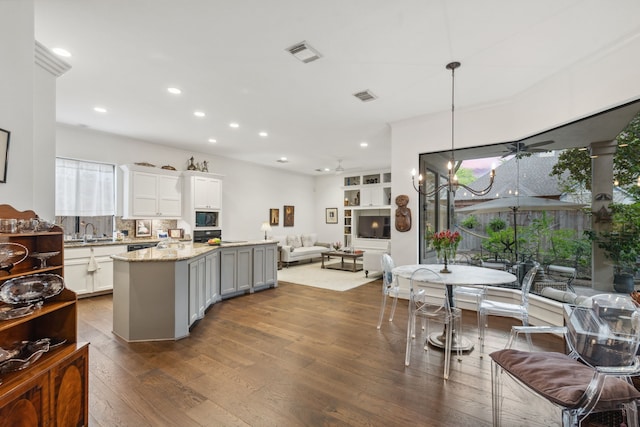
[54, 389]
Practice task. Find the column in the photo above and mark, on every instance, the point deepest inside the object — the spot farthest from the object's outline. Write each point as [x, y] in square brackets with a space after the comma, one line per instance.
[601, 196]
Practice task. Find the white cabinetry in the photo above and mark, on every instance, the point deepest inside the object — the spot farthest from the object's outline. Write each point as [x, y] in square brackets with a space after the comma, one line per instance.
[206, 193]
[202, 191]
[368, 194]
[89, 270]
[369, 190]
[151, 193]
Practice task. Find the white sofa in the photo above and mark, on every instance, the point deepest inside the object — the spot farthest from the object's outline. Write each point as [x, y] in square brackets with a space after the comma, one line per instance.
[299, 247]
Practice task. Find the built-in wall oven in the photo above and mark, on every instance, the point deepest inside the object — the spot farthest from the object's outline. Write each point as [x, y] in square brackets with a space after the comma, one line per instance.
[201, 236]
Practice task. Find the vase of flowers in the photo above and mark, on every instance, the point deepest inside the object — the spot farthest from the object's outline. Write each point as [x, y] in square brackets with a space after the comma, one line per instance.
[336, 246]
[445, 243]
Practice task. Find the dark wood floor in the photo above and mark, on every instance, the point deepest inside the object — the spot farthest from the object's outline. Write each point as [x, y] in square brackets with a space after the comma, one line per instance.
[289, 356]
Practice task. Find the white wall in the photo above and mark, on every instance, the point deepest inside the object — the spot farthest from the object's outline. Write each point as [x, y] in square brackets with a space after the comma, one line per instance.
[16, 100]
[248, 190]
[596, 84]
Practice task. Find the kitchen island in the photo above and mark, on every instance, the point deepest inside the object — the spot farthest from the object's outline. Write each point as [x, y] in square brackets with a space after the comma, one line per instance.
[159, 294]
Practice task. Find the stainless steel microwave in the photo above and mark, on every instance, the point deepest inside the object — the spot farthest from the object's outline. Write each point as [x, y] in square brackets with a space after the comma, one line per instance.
[206, 219]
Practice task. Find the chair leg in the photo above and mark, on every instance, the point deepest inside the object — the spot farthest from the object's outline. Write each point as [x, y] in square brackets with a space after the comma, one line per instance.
[382, 308]
[447, 348]
[496, 394]
[393, 308]
[630, 411]
[525, 322]
[483, 326]
[410, 325]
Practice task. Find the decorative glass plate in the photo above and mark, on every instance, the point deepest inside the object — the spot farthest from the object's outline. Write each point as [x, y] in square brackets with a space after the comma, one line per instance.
[25, 353]
[11, 254]
[8, 312]
[33, 288]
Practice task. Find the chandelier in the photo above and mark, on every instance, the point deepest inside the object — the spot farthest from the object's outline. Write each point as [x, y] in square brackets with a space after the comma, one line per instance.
[452, 183]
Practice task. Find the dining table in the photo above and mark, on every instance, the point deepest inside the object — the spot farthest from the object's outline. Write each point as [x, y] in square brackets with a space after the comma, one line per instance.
[457, 275]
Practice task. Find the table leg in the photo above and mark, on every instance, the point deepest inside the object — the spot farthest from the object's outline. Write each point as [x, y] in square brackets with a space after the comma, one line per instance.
[438, 339]
[322, 266]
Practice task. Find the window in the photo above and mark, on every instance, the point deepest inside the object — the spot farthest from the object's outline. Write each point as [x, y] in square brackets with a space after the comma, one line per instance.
[85, 195]
[84, 188]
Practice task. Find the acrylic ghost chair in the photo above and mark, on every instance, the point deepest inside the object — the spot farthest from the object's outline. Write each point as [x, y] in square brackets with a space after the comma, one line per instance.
[390, 288]
[429, 300]
[572, 382]
[504, 309]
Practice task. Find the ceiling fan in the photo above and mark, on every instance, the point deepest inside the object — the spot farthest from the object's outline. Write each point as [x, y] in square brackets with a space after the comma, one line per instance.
[515, 148]
[338, 170]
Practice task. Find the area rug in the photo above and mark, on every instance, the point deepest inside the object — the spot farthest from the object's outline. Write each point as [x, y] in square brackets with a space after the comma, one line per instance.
[310, 274]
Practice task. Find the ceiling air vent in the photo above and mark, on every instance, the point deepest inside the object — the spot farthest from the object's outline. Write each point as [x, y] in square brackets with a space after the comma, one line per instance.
[365, 96]
[304, 52]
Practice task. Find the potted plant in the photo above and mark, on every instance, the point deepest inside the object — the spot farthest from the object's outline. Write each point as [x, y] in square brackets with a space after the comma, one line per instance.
[621, 244]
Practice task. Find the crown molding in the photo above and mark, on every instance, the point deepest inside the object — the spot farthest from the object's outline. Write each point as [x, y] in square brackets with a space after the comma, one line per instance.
[49, 61]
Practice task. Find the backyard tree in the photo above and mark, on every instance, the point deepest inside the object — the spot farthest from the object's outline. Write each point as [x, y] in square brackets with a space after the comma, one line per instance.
[626, 162]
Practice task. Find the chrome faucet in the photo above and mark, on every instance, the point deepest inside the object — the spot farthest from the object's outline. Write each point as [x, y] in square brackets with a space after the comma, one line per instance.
[93, 230]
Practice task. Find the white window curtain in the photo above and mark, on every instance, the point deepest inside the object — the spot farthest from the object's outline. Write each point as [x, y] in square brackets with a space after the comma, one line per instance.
[84, 188]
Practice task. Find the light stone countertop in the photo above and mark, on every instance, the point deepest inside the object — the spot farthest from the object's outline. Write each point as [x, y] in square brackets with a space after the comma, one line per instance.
[110, 242]
[181, 251]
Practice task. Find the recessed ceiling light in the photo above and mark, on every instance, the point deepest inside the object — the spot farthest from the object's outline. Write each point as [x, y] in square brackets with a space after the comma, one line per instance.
[234, 125]
[364, 144]
[282, 160]
[199, 113]
[212, 140]
[263, 134]
[100, 109]
[61, 52]
[327, 170]
[174, 90]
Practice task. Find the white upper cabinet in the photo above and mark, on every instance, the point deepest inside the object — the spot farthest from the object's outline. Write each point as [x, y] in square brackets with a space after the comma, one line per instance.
[206, 193]
[151, 193]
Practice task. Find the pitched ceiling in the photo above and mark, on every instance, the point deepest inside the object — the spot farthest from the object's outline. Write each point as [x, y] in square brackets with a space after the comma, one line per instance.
[229, 59]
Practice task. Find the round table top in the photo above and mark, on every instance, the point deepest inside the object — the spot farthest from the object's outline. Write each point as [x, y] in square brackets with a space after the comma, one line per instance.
[467, 275]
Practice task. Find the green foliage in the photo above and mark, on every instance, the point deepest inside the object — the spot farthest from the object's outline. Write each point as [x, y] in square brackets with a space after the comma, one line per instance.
[465, 176]
[626, 161]
[622, 243]
[496, 224]
[501, 243]
[470, 222]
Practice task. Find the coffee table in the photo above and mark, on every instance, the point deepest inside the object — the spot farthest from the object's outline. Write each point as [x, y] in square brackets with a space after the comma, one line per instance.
[355, 256]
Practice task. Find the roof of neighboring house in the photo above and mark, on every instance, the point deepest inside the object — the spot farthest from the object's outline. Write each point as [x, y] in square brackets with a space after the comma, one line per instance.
[534, 179]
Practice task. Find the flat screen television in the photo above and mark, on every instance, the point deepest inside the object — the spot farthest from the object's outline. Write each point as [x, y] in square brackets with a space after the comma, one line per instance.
[374, 227]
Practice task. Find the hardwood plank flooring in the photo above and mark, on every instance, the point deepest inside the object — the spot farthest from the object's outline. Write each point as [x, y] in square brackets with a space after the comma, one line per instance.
[292, 356]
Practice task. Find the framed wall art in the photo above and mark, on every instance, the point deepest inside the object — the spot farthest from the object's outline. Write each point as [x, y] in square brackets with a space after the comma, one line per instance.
[176, 233]
[274, 216]
[143, 228]
[331, 215]
[4, 154]
[288, 215]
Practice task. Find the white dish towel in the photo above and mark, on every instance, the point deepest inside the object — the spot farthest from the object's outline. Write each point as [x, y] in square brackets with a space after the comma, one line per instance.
[93, 265]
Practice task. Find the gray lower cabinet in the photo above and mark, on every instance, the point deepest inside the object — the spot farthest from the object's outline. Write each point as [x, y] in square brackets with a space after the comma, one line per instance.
[265, 266]
[204, 284]
[236, 272]
[212, 278]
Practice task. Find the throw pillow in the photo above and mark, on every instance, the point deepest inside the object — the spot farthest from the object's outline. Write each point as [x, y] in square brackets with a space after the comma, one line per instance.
[294, 241]
[307, 241]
